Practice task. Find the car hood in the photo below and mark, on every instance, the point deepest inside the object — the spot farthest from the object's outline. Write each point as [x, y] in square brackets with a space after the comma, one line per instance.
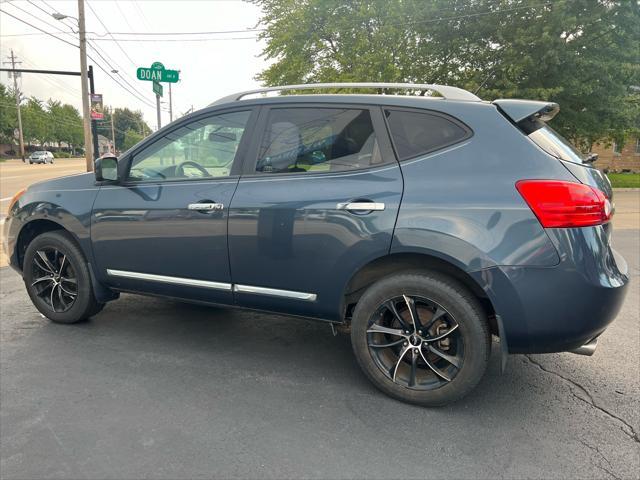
[81, 181]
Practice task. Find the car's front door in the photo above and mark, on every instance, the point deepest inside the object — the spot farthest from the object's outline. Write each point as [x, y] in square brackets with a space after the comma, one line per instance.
[163, 229]
[318, 200]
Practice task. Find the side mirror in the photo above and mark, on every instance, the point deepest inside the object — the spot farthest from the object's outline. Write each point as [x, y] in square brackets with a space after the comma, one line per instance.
[591, 157]
[106, 169]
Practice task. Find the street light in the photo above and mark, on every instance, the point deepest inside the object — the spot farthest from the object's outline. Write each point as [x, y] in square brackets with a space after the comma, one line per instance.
[86, 111]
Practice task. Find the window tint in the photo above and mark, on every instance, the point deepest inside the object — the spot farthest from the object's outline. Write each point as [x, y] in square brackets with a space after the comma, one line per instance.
[201, 149]
[555, 144]
[317, 140]
[416, 133]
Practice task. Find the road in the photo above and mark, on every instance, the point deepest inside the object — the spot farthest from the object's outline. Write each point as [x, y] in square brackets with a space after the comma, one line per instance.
[152, 388]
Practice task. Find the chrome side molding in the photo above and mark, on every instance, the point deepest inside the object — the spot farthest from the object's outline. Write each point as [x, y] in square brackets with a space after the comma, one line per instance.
[205, 206]
[192, 282]
[587, 349]
[275, 292]
[361, 206]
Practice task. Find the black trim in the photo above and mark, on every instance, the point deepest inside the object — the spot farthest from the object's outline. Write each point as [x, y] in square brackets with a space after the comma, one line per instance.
[377, 122]
[425, 111]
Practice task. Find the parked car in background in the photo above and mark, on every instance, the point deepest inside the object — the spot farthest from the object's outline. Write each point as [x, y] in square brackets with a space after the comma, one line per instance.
[41, 156]
[422, 224]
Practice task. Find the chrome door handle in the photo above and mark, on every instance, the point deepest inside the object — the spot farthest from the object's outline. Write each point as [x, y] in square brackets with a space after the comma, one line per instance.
[205, 207]
[361, 206]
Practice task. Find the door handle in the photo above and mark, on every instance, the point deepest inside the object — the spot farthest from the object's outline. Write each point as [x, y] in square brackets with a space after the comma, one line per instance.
[361, 206]
[205, 207]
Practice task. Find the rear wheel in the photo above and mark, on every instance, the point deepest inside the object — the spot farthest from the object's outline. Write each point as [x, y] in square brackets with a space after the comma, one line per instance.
[57, 278]
[421, 338]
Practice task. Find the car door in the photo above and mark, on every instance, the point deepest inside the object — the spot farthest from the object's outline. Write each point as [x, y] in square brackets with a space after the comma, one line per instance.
[163, 229]
[318, 200]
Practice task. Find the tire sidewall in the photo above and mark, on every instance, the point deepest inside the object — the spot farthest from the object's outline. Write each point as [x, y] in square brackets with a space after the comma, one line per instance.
[63, 242]
[458, 302]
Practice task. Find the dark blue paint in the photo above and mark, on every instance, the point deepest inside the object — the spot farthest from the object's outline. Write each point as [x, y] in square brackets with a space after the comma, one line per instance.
[553, 289]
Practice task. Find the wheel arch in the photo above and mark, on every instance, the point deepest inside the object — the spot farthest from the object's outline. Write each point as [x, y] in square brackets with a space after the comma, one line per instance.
[413, 262]
[31, 230]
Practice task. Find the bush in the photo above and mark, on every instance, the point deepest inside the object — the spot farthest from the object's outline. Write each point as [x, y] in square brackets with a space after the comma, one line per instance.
[61, 155]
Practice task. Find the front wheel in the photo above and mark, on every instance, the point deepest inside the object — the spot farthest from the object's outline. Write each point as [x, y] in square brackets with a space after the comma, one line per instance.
[57, 278]
[421, 338]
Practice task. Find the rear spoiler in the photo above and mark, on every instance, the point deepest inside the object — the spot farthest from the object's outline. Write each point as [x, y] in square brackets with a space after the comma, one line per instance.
[519, 110]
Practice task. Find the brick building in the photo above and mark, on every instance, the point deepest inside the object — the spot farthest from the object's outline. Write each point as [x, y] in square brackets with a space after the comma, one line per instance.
[615, 159]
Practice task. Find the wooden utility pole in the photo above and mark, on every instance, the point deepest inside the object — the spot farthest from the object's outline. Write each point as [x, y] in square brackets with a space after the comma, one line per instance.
[17, 94]
[86, 110]
[113, 134]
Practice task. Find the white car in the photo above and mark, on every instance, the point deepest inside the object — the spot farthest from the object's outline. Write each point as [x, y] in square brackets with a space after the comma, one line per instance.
[42, 156]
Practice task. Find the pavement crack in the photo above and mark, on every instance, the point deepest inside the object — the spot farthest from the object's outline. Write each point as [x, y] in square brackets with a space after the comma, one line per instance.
[597, 450]
[626, 428]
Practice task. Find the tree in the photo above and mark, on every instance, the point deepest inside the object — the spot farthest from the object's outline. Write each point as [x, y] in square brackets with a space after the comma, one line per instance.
[126, 121]
[582, 54]
[36, 123]
[131, 137]
[8, 115]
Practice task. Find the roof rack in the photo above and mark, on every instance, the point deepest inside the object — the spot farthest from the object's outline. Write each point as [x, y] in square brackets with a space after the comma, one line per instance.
[450, 93]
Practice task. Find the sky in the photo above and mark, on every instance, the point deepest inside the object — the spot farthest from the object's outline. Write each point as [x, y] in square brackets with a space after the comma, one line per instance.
[220, 65]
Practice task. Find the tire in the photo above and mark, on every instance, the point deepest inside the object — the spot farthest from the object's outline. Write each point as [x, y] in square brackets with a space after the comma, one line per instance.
[404, 365]
[60, 286]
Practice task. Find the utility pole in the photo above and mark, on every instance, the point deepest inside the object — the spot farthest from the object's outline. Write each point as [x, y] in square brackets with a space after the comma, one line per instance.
[158, 111]
[170, 105]
[86, 112]
[17, 94]
[113, 134]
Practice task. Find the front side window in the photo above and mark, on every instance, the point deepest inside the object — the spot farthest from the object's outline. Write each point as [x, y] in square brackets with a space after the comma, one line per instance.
[298, 140]
[418, 133]
[202, 149]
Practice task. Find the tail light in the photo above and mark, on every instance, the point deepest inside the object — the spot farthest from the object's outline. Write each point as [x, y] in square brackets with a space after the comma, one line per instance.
[559, 204]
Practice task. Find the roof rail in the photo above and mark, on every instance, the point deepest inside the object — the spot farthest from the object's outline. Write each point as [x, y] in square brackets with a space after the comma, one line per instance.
[450, 93]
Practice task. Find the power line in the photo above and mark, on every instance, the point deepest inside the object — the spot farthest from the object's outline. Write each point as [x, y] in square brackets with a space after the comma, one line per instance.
[76, 46]
[170, 39]
[98, 51]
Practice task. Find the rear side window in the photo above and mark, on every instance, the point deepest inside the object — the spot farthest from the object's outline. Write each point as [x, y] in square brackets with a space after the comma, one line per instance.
[416, 133]
[300, 140]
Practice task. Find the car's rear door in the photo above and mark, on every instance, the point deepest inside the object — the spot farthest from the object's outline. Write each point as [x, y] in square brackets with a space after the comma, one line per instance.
[163, 229]
[317, 200]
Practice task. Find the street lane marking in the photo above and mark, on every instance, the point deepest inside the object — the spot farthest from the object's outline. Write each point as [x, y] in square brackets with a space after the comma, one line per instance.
[6, 199]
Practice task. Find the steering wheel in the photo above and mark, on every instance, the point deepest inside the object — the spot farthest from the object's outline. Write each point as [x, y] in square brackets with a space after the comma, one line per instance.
[188, 163]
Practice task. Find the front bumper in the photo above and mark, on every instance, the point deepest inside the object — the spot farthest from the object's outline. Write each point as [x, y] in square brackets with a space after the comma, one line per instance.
[560, 308]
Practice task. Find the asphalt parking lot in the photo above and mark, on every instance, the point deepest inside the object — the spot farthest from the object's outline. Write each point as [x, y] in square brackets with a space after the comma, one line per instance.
[152, 388]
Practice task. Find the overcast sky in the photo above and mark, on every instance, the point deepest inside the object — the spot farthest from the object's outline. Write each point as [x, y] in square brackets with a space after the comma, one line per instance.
[209, 69]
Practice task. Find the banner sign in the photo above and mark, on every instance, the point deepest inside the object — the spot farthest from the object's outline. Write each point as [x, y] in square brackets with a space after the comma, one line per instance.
[97, 111]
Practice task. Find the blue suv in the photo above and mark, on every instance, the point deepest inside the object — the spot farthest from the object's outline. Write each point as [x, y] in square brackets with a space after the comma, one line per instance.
[421, 223]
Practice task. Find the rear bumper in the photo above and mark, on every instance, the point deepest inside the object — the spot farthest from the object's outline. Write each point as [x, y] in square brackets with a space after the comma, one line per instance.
[560, 308]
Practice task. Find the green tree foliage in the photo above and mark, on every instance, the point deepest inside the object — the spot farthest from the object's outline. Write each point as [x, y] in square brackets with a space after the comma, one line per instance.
[131, 137]
[582, 54]
[55, 122]
[8, 116]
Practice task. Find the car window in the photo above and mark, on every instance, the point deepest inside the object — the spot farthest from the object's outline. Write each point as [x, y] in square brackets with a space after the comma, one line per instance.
[201, 149]
[299, 140]
[417, 133]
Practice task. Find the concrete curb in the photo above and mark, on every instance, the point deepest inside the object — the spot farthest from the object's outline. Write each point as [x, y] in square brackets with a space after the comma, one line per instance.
[626, 189]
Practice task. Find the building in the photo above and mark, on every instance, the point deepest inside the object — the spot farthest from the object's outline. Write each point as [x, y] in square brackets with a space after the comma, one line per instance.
[613, 158]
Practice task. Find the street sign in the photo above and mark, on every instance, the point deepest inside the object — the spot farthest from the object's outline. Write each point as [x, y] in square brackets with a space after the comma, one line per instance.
[157, 88]
[157, 73]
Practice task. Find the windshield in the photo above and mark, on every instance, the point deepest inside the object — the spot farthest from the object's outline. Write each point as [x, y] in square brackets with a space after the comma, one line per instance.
[554, 144]
[39, 153]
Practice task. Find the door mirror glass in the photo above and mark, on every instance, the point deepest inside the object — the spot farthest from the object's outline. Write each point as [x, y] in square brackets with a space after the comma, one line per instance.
[106, 169]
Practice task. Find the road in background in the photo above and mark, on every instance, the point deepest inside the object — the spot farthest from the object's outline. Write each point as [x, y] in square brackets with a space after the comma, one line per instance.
[15, 175]
[151, 388]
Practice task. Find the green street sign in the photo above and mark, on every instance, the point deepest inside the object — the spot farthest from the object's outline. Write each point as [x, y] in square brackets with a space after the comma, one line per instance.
[157, 73]
[157, 88]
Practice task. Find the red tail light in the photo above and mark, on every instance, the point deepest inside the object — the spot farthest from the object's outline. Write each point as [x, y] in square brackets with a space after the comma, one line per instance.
[565, 204]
